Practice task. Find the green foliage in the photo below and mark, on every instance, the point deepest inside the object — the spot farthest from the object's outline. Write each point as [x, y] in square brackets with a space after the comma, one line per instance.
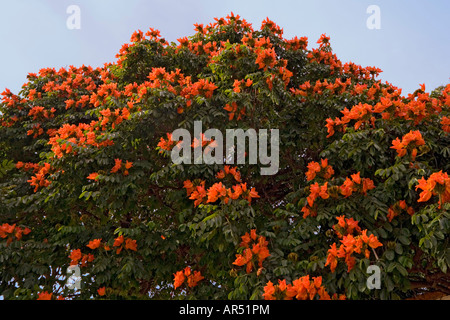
[64, 126]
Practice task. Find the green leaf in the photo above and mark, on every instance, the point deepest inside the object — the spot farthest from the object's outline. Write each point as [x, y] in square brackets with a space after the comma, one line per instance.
[389, 254]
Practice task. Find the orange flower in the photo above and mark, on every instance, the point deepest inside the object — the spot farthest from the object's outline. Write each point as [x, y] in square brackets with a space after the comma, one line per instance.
[217, 190]
[304, 289]
[356, 178]
[323, 191]
[446, 124]
[93, 176]
[346, 226]
[6, 229]
[437, 184]
[94, 244]
[332, 257]
[245, 259]
[193, 279]
[367, 185]
[75, 255]
[252, 194]
[45, 296]
[253, 234]
[236, 192]
[374, 242]
[401, 145]
[199, 194]
[101, 291]
[128, 164]
[178, 279]
[166, 144]
[350, 244]
[347, 187]
[313, 169]
[245, 240]
[117, 165]
[118, 241]
[189, 186]
[259, 250]
[130, 244]
[269, 291]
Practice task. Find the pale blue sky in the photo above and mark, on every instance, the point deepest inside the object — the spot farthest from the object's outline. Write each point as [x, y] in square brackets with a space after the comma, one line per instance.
[412, 46]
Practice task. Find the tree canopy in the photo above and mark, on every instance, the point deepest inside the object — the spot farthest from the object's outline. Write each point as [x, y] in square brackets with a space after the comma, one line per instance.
[86, 177]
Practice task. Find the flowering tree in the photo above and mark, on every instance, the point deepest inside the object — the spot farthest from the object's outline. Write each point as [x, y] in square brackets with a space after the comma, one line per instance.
[87, 181]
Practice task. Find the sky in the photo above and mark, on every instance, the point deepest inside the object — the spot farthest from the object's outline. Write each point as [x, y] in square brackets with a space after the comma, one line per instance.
[411, 45]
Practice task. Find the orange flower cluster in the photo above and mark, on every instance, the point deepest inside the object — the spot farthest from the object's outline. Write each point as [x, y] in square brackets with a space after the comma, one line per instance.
[82, 79]
[411, 140]
[346, 226]
[39, 113]
[302, 288]
[397, 208]
[238, 84]
[325, 56]
[202, 87]
[38, 180]
[417, 107]
[168, 144]
[297, 44]
[12, 231]
[115, 117]
[324, 41]
[28, 166]
[81, 135]
[203, 141]
[229, 172]
[356, 184]
[12, 100]
[321, 87]
[36, 131]
[233, 110]
[192, 277]
[103, 92]
[123, 167]
[48, 296]
[196, 190]
[437, 184]
[129, 244]
[257, 253]
[445, 121]
[362, 112]
[272, 26]
[316, 191]
[76, 256]
[322, 170]
[200, 48]
[74, 84]
[350, 244]
[266, 58]
[174, 82]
